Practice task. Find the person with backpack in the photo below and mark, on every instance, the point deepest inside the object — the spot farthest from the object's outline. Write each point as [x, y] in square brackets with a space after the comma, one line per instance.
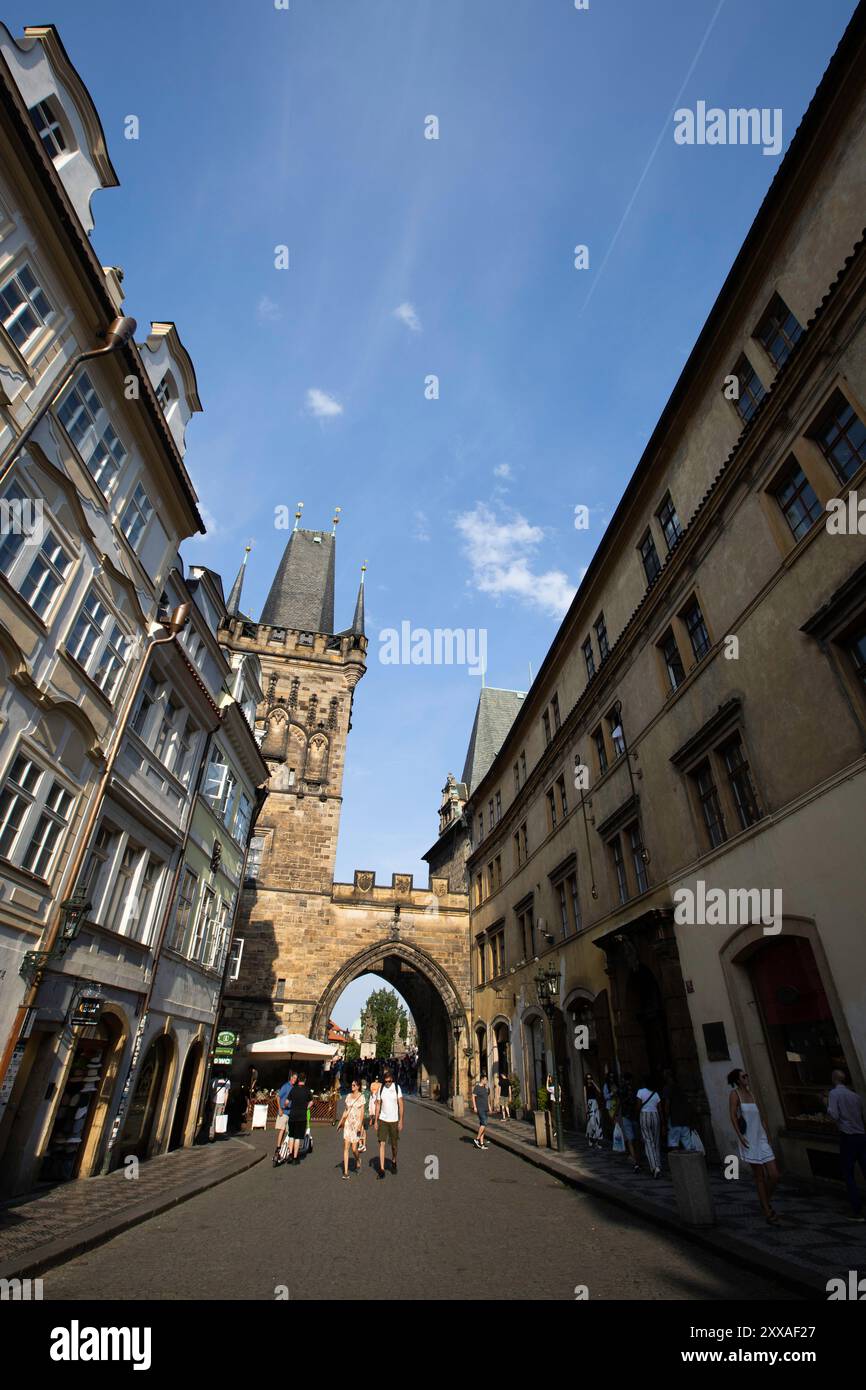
[650, 1126]
[504, 1095]
[299, 1104]
[389, 1120]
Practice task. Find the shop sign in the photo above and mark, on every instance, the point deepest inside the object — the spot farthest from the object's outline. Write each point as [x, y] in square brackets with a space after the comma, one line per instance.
[224, 1051]
[87, 1010]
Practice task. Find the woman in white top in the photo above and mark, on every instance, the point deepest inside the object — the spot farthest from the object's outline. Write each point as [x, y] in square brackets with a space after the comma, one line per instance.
[650, 1126]
[750, 1132]
[352, 1125]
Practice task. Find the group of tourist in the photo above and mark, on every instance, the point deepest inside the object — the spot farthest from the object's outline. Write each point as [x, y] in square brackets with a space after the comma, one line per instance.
[657, 1119]
[366, 1070]
[381, 1107]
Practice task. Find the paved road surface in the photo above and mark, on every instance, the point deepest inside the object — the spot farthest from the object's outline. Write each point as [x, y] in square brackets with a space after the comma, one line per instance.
[490, 1226]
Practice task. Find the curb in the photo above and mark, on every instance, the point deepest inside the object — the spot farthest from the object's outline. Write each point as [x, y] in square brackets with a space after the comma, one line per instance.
[57, 1251]
[730, 1247]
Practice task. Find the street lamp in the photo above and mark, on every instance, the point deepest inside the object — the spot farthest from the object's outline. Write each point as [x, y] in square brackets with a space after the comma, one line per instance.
[547, 992]
[73, 912]
[118, 333]
[456, 1029]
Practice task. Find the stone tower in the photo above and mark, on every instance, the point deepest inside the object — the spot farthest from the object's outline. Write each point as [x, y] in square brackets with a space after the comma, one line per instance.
[309, 673]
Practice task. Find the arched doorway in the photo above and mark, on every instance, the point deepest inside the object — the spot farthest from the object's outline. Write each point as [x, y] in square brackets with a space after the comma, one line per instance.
[142, 1116]
[481, 1049]
[651, 1049]
[85, 1102]
[183, 1112]
[439, 1013]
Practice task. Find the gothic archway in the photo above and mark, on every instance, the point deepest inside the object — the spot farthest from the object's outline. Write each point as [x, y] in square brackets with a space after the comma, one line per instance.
[433, 999]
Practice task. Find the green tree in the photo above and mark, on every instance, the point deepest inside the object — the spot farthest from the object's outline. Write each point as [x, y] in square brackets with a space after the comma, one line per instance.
[388, 1015]
[353, 1049]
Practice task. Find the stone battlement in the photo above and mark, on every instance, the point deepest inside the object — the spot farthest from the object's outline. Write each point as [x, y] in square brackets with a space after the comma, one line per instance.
[401, 892]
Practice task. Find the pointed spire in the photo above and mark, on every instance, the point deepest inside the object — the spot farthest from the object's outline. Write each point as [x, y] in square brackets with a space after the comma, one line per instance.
[358, 620]
[336, 519]
[233, 604]
[298, 516]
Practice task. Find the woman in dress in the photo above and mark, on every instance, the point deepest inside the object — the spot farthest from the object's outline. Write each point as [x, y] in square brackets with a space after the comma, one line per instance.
[504, 1095]
[750, 1131]
[352, 1125]
[592, 1097]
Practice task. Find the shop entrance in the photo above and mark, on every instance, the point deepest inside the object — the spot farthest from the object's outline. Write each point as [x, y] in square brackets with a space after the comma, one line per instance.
[141, 1117]
[72, 1131]
[185, 1096]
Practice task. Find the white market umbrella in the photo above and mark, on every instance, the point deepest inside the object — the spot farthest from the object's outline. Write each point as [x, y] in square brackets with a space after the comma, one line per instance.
[291, 1046]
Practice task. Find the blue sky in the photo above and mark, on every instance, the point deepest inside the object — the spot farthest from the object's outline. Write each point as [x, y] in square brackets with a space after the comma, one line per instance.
[261, 127]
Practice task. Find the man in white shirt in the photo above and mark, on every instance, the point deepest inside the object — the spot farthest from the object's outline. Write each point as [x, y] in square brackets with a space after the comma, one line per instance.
[389, 1120]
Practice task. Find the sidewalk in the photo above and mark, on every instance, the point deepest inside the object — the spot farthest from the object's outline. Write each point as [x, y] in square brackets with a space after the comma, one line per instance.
[43, 1228]
[816, 1243]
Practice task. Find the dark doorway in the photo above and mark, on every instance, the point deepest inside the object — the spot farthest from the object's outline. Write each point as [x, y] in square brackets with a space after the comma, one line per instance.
[185, 1096]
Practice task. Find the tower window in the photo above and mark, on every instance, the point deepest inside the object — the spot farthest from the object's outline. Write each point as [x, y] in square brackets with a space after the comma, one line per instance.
[44, 117]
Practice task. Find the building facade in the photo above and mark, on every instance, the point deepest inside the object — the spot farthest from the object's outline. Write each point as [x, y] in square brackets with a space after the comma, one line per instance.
[674, 819]
[107, 710]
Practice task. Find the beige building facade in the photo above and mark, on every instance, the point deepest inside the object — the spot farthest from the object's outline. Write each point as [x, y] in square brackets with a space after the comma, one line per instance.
[675, 816]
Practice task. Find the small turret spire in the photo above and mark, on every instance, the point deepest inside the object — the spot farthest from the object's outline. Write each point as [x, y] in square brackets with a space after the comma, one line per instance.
[298, 515]
[233, 603]
[358, 620]
[336, 519]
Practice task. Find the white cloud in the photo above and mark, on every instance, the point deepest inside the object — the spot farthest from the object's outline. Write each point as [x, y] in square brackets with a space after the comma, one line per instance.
[320, 404]
[502, 470]
[500, 553]
[267, 311]
[406, 314]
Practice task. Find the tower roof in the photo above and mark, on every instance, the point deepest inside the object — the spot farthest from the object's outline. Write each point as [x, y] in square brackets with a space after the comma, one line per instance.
[302, 594]
[496, 712]
[233, 603]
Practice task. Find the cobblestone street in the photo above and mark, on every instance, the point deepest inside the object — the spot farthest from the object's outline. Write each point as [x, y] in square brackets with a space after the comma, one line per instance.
[490, 1226]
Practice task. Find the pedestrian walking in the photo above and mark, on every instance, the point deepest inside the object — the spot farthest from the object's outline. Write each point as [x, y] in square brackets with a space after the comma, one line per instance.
[282, 1119]
[299, 1103]
[610, 1094]
[221, 1093]
[481, 1106]
[629, 1106]
[389, 1120]
[504, 1095]
[592, 1097]
[845, 1108]
[650, 1126]
[754, 1147]
[375, 1088]
[352, 1125]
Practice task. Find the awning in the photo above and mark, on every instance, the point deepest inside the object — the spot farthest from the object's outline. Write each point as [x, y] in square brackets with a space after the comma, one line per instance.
[292, 1046]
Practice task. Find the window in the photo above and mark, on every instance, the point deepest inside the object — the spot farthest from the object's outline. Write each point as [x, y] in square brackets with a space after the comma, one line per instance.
[672, 659]
[841, 437]
[497, 872]
[146, 702]
[123, 892]
[97, 860]
[183, 762]
[796, 498]
[750, 392]
[480, 826]
[184, 908]
[650, 557]
[778, 330]
[136, 516]
[526, 928]
[563, 799]
[516, 840]
[523, 768]
[482, 963]
[44, 117]
[243, 819]
[163, 744]
[280, 991]
[575, 902]
[236, 958]
[551, 811]
[490, 813]
[45, 575]
[563, 908]
[219, 941]
[497, 951]
[516, 778]
[34, 812]
[205, 927]
[617, 737]
[711, 808]
[637, 856]
[24, 306]
[254, 858]
[525, 839]
[601, 635]
[545, 721]
[619, 868]
[498, 807]
[600, 749]
[589, 658]
[740, 780]
[554, 705]
[669, 522]
[216, 781]
[857, 650]
[163, 392]
[83, 416]
[19, 520]
[697, 629]
[98, 644]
